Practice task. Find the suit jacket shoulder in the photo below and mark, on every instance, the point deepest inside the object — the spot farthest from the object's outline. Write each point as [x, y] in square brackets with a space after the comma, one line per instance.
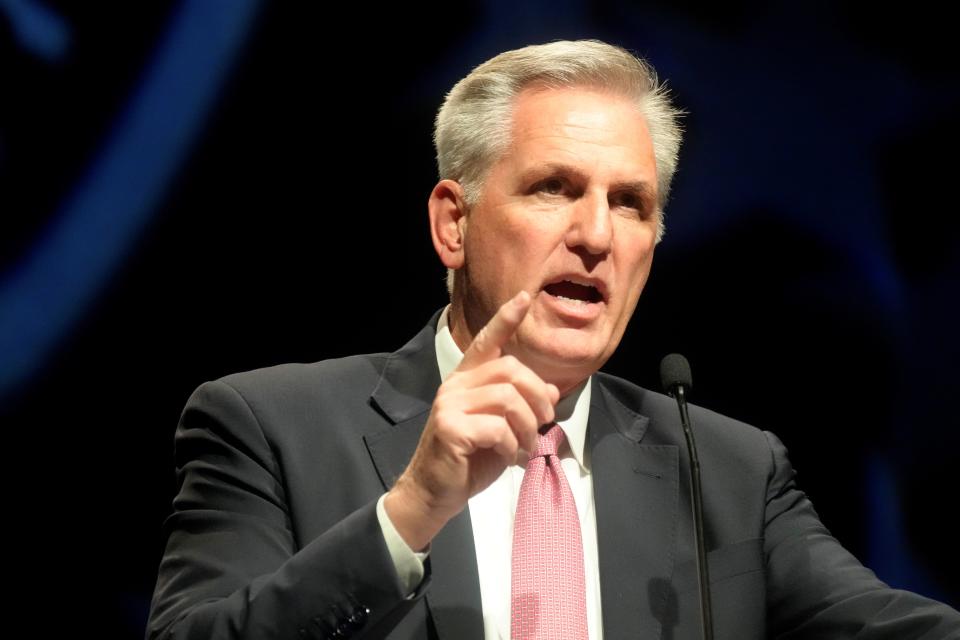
[274, 531]
[775, 569]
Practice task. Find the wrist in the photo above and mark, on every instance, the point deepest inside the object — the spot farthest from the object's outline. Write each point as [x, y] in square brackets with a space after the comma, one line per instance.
[412, 515]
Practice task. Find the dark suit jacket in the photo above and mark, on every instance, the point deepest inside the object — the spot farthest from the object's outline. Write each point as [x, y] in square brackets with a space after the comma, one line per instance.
[274, 532]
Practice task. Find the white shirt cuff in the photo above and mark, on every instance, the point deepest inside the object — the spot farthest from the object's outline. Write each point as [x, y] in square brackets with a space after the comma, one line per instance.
[409, 563]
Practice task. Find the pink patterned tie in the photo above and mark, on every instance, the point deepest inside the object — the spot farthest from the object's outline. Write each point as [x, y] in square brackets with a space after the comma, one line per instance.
[548, 593]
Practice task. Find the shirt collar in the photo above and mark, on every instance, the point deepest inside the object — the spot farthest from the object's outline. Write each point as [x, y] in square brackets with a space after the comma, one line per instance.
[572, 411]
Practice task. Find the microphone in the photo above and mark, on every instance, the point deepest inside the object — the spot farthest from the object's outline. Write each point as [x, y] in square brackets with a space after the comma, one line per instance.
[677, 381]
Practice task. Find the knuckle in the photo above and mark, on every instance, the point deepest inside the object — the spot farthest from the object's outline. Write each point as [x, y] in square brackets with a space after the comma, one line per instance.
[444, 414]
[441, 402]
[441, 420]
[505, 393]
[450, 387]
[480, 340]
[521, 415]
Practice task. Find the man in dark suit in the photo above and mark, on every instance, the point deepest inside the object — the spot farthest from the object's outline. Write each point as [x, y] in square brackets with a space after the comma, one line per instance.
[374, 496]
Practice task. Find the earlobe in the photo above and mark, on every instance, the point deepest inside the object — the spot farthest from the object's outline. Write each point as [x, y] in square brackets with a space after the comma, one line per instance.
[448, 222]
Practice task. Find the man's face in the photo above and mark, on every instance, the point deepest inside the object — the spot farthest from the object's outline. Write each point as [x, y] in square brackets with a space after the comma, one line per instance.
[569, 214]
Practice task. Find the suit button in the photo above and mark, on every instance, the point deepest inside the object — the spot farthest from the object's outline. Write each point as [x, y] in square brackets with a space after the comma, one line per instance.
[359, 617]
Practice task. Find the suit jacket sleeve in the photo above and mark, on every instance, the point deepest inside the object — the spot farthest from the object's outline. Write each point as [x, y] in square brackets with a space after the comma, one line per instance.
[817, 589]
[232, 567]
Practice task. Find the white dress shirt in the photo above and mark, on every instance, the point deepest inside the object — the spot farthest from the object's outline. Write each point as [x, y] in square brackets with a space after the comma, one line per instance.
[492, 512]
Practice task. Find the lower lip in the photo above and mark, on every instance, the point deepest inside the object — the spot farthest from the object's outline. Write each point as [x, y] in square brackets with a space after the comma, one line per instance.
[572, 310]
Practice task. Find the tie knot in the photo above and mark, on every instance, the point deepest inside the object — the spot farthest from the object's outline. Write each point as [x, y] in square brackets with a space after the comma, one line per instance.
[549, 441]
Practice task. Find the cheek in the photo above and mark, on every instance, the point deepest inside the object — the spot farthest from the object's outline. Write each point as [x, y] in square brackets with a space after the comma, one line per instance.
[638, 257]
[516, 245]
[496, 262]
[636, 270]
[643, 271]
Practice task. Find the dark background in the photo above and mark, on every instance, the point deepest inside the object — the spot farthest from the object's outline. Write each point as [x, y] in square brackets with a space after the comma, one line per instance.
[191, 189]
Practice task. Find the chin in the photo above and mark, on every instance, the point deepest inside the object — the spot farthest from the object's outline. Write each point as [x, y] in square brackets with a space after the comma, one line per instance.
[560, 360]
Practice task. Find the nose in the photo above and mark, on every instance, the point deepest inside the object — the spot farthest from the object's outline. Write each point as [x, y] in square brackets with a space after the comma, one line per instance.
[591, 226]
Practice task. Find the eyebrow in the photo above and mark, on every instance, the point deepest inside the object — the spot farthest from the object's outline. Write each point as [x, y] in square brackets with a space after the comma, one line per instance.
[640, 187]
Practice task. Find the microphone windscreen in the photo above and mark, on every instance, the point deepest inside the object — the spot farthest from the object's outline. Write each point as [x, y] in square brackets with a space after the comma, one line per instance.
[674, 371]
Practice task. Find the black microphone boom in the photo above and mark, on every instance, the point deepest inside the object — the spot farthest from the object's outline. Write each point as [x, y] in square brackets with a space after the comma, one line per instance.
[676, 379]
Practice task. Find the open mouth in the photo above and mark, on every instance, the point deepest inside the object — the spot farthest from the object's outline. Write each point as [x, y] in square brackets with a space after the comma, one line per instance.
[567, 290]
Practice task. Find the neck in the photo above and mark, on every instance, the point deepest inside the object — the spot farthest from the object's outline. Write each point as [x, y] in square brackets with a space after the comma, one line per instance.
[566, 380]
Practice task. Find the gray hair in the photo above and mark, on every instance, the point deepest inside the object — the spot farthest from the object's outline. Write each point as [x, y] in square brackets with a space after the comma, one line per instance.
[472, 129]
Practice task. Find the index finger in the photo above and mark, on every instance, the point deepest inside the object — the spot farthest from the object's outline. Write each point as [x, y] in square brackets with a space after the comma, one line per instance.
[488, 343]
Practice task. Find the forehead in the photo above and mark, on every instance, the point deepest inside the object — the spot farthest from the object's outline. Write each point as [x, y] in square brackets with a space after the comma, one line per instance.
[580, 125]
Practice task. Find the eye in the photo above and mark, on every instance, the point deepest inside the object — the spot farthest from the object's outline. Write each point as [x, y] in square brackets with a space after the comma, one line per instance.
[632, 200]
[628, 200]
[551, 186]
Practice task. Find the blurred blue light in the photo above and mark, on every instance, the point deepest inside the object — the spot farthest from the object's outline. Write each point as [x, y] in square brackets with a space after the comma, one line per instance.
[97, 225]
[37, 29]
[889, 553]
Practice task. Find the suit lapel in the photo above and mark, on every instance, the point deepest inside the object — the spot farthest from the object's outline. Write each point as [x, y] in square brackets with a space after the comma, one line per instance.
[404, 395]
[635, 488]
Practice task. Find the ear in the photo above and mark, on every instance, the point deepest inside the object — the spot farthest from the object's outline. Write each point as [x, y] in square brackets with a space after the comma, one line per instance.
[448, 222]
